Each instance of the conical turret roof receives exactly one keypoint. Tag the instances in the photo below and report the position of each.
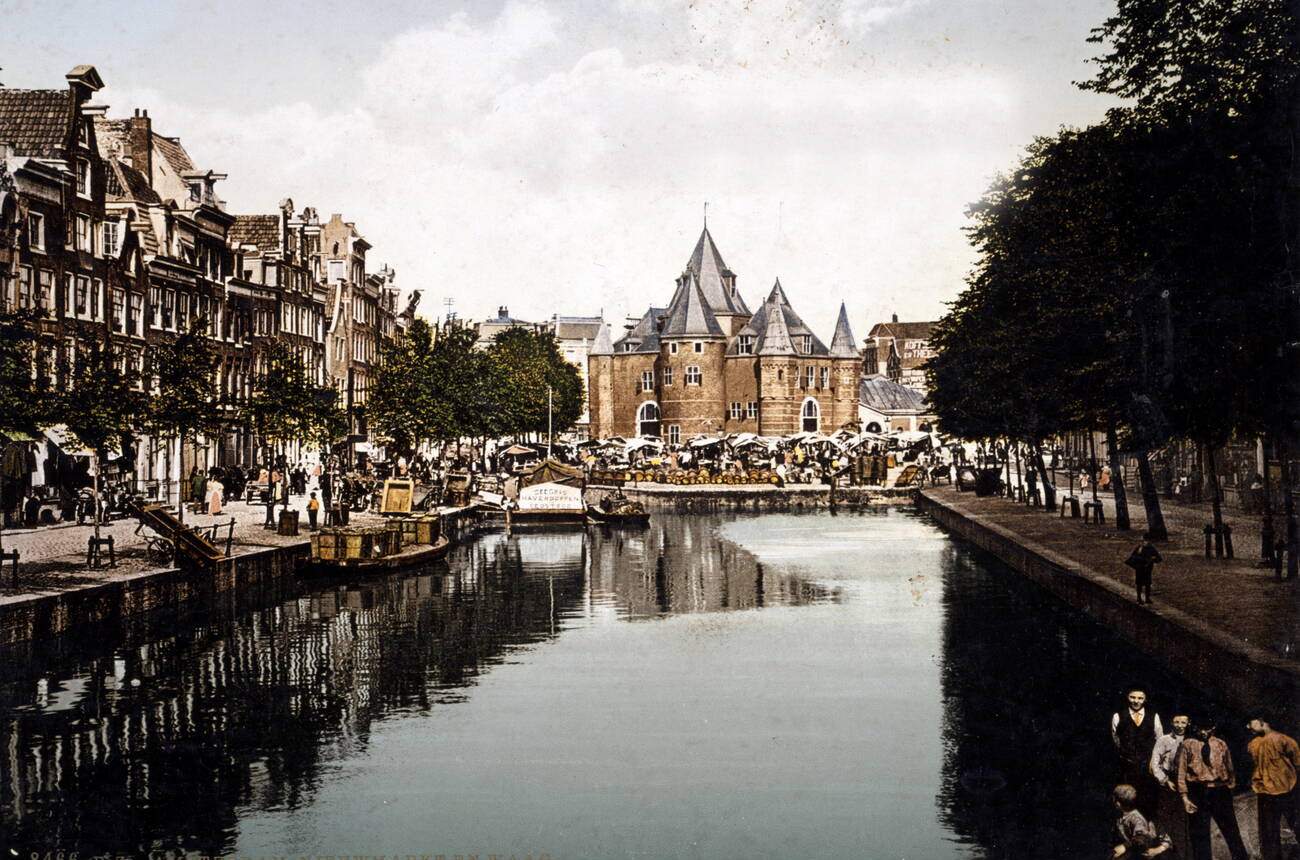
(716, 280)
(842, 343)
(603, 344)
(689, 314)
(776, 336)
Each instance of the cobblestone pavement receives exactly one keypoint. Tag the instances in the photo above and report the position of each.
(53, 558)
(1235, 595)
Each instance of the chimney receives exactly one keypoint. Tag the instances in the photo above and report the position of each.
(139, 144)
(895, 318)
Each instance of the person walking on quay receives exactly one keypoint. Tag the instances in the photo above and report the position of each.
(268, 499)
(1171, 817)
(313, 509)
(1277, 761)
(1134, 734)
(1205, 781)
(1143, 560)
(1139, 836)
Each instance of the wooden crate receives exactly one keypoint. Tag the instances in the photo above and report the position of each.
(428, 528)
(358, 544)
(409, 533)
(326, 545)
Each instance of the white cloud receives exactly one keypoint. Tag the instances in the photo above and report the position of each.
(538, 160)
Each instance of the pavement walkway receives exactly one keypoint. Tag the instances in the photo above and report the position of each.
(1234, 595)
(53, 558)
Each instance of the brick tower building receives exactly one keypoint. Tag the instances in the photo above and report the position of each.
(706, 364)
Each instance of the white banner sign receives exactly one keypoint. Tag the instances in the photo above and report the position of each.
(550, 497)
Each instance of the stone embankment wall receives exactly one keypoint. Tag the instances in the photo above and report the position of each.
(172, 593)
(1242, 675)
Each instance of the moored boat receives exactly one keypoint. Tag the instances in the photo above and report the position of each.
(616, 517)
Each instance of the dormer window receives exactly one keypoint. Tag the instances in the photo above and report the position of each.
(746, 345)
(196, 192)
(807, 343)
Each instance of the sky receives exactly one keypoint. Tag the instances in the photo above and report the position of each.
(556, 157)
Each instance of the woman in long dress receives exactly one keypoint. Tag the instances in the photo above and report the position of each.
(216, 492)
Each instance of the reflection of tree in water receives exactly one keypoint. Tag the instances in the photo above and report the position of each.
(1028, 689)
(680, 564)
(158, 745)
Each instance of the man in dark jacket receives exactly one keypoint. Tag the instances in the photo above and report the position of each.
(1134, 731)
(1143, 560)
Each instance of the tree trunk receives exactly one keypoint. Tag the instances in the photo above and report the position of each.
(1020, 473)
(1150, 499)
(1287, 497)
(95, 502)
(1117, 478)
(1216, 506)
(182, 493)
(1049, 489)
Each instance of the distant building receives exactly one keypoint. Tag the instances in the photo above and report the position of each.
(884, 405)
(575, 337)
(706, 364)
(488, 329)
(898, 351)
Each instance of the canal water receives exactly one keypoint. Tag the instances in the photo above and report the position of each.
(784, 685)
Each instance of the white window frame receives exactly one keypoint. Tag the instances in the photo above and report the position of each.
(82, 294)
(751, 410)
(647, 380)
(693, 370)
(668, 376)
(109, 248)
(825, 378)
(746, 345)
(804, 416)
(672, 348)
(674, 434)
(735, 410)
(810, 377)
(699, 347)
(96, 299)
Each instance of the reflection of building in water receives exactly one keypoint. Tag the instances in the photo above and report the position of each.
(683, 566)
(162, 741)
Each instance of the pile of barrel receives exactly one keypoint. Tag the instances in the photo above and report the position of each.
(347, 543)
(683, 477)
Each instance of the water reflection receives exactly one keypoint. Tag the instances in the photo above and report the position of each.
(679, 565)
(159, 746)
(793, 685)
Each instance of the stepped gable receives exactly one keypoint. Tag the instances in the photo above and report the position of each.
(842, 343)
(794, 327)
(717, 282)
(603, 345)
(689, 314)
(644, 336)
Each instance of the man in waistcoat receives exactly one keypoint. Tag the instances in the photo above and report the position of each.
(1134, 732)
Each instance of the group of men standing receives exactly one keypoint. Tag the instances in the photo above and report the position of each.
(1174, 783)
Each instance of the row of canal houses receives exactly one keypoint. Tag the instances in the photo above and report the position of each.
(110, 229)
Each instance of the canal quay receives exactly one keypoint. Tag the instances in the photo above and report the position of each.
(838, 683)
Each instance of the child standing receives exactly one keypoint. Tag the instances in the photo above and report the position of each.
(313, 508)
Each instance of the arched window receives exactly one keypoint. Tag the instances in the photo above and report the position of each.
(647, 419)
(812, 415)
(873, 427)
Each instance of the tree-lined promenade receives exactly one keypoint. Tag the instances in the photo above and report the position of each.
(1139, 277)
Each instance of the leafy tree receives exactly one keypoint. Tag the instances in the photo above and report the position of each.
(25, 397)
(185, 403)
(536, 384)
(403, 402)
(103, 404)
